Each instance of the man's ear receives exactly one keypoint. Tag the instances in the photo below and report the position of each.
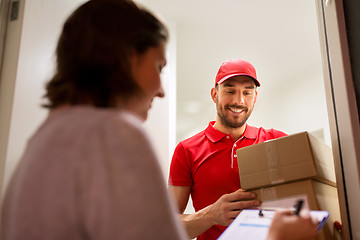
(214, 94)
(256, 93)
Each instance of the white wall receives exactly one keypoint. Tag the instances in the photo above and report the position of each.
(161, 124)
(43, 20)
(40, 28)
(299, 105)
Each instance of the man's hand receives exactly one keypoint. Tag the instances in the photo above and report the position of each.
(228, 206)
(222, 212)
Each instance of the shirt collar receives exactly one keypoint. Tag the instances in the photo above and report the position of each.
(250, 132)
(215, 135)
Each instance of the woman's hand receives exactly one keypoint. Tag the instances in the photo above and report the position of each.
(287, 226)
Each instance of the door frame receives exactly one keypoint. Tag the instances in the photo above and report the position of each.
(342, 111)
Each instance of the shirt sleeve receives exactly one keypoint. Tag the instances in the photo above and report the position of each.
(125, 195)
(276, 134)
(180, 167)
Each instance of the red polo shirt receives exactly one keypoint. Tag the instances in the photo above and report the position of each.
(208, 163)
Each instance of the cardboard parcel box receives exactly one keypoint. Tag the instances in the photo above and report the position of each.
(291, 158)
(316, 195)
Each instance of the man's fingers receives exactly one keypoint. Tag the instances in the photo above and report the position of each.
(244, 204)
(239, 195)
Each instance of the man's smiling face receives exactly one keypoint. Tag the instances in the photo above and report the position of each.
(235, 99)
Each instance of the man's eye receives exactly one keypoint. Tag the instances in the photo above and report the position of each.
(230, 92)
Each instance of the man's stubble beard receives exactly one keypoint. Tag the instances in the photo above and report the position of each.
(232, 124)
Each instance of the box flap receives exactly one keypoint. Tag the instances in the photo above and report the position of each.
(324, 160)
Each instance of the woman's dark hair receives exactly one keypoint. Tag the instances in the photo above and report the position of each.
(94, 49)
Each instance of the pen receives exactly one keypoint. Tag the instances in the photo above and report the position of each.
(261, 209)
(275, 208)
(296, 209)
(298, 206)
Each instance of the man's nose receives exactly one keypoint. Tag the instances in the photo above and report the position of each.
(240, 99)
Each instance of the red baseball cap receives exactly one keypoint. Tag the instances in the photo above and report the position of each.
(235, 67)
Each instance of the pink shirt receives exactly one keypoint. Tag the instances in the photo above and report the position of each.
(208, 163)
(89, 173)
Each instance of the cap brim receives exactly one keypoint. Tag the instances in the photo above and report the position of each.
(237, 74)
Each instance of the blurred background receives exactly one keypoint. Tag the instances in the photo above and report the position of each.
(280, 38)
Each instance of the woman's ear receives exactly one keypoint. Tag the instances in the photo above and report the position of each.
(214, 94)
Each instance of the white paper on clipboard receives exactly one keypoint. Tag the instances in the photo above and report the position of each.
(249, 226)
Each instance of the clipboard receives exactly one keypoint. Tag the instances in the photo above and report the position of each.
(250, 226)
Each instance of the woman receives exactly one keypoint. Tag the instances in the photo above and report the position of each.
(90, 172)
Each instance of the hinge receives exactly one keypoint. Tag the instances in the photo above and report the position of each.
(14, 10)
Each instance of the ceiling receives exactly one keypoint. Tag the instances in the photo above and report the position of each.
(279, 37)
